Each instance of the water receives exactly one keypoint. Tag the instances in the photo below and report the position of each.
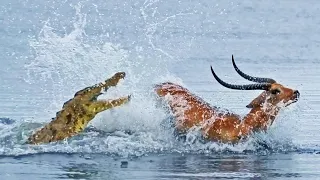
(51, 49)
(163, 166)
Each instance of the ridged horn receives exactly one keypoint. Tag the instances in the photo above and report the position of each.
(260, 86)
(251, 78)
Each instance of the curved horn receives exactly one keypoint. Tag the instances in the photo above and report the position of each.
(251, 78)
(261, 86)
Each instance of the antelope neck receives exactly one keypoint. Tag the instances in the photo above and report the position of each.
(258, 119)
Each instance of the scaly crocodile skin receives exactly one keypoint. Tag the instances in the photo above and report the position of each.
(78, 112)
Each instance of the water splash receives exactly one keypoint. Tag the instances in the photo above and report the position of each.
(63, 64)
(148, 11)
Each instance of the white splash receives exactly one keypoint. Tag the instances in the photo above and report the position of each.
(63, 64)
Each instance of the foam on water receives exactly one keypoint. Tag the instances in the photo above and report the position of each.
(64, 64)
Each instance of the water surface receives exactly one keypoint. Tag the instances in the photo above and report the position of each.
(51, 49)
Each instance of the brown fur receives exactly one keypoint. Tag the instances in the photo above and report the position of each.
(216, 125)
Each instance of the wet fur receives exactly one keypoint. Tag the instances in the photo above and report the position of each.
(190, 110)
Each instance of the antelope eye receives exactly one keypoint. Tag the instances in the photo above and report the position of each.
(275, 91)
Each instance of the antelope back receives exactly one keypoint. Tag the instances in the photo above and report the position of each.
(188, 109)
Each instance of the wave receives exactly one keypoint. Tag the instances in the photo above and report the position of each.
(62, 64)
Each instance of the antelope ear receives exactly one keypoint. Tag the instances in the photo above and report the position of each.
(257, 101)
(249, 106)
(254, 103)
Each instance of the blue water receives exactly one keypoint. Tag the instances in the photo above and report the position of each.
(51, 49)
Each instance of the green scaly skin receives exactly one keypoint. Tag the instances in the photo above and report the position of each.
(78, 112)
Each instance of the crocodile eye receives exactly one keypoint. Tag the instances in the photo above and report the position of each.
(275, 91)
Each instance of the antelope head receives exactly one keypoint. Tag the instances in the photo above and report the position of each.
(274, 95)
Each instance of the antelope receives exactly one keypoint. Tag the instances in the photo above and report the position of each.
(224, 126)
(77, 112)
